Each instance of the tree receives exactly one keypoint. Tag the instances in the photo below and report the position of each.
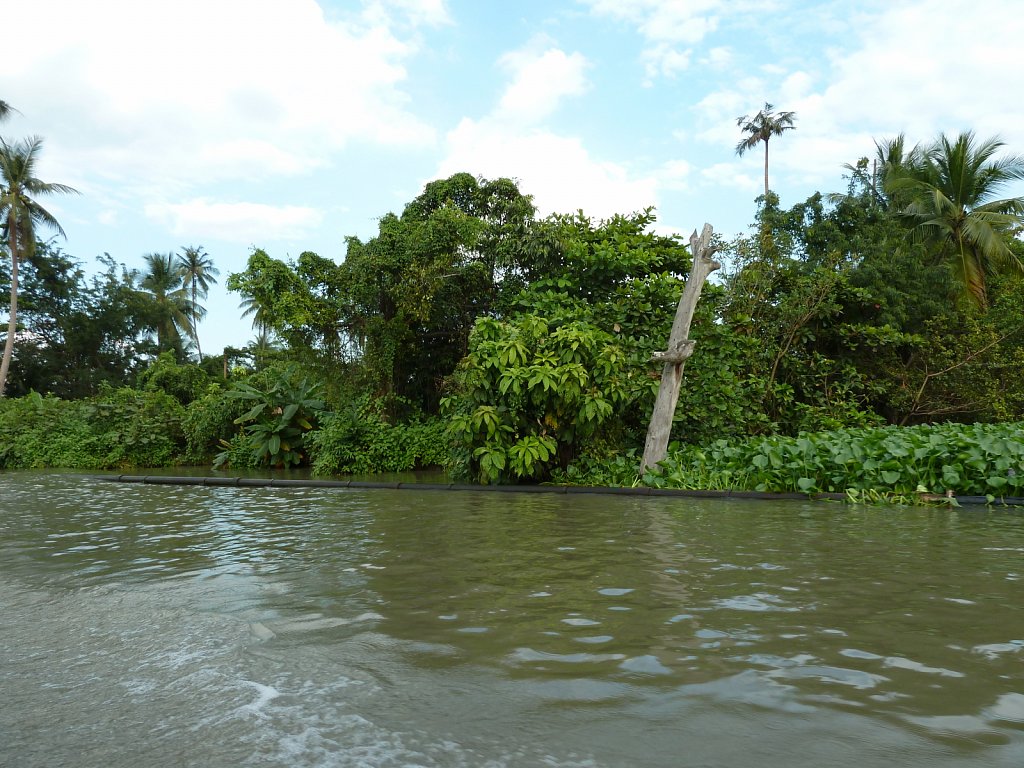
(74, 333)
(298, 301)
(762, 127)
(20, 213)
(567, 374)
(253, 308)
(171, 310)
(415, 290)
(198, 274)
(951, 187)
(401, 304)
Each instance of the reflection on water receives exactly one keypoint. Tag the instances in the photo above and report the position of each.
(162, 625)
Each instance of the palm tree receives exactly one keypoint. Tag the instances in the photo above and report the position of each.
(950, 189)
(5, 109)
(20, 213)
(263, 345)
(762, 127)
(253, 308)
(197, 274)
(171, 309)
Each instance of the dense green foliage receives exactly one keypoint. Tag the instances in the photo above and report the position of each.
(20, 214)
(78, 331)
(566, 374)
(358, 440)
(515, 349)
(119, 428)
(280, 417)
(403, 302)
(979, 459)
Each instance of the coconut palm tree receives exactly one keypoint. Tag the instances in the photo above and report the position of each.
(252, 307)
(197, 274)
(20, 213)
(762, 127)
(951, 190)
(171, 309)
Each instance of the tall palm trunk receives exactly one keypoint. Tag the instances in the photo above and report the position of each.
(195, 322)
(766, 167)
(12, 323)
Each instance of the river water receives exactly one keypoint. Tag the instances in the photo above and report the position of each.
(151, 626)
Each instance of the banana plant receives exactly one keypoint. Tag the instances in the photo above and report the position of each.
(279, 421)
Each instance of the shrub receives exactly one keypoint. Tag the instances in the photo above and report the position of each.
(209, 422)
(117, 429)
(184, 383)
(358, 440)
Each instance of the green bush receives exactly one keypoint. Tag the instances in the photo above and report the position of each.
(358, 440)
(117, 429)
(209, 422)
(184, 383)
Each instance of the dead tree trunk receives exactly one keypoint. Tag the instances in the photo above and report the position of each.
(680, 347)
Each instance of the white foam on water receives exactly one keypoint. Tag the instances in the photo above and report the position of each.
(310, 728)
(264, 695)
(1009, 707)
(899, 662)
(994, 650)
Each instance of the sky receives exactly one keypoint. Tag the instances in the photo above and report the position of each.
(289, 125)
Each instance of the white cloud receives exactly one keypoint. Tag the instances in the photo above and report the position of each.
(426, 12)
(244, 223)
(672, 29)
(540, 80)
(557, 170)
(899, 79)
(896, 81)
(686, 21)
(719, 58)
(169, 93)
(674, 175)
(730, 175)
(888, 80)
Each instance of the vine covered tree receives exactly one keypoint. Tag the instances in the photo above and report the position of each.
(20, 213)
(198, 274)
(761, 128)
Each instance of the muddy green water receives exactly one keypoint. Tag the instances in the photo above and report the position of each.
(181, 626)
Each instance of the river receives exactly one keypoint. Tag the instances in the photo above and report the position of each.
(151, 626)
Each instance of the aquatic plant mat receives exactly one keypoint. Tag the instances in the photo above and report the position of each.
(263, 482)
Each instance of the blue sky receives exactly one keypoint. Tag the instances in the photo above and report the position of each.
(291, 124)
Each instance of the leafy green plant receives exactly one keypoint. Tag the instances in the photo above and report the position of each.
(208, 421)
(119, 428)
(568, 375)
(933, 460)
(278, 421)
(184, 383)
(358, 439)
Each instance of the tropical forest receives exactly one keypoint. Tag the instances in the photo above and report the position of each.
(867, 341)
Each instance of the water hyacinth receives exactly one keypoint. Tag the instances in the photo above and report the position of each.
(959, 459)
